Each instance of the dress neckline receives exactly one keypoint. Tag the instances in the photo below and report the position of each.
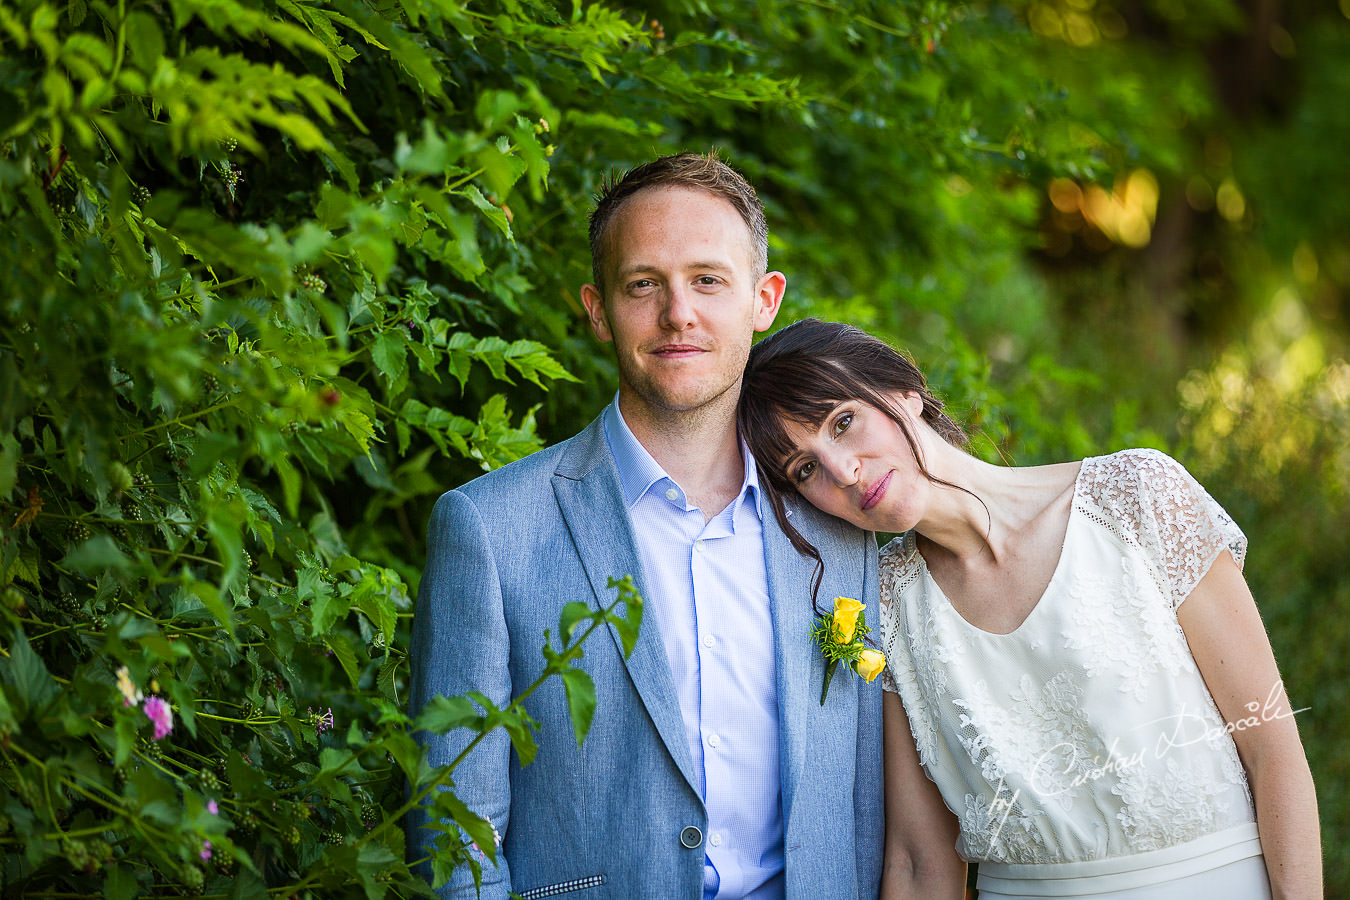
(1055, 575)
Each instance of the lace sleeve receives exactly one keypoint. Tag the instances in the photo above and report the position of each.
(1152, 501)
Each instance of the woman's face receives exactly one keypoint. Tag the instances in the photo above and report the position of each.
(858, 466)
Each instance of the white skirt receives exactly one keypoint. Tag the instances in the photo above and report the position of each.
(1227, 864)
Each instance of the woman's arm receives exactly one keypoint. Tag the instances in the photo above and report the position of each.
(1233, 652)
(920, 858)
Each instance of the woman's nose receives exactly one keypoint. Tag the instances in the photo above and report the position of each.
(843, 470)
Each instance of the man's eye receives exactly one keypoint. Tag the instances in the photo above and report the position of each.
(706, 280)
(841, 424)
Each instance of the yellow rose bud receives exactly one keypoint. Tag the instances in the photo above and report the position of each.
(846, 611)
(870, 664)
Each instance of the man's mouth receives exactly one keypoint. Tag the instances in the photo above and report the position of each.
(677, 351)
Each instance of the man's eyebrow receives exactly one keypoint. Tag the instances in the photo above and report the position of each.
(724, 265)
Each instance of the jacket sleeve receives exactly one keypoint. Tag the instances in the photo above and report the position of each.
(460, 643)
(868, 791)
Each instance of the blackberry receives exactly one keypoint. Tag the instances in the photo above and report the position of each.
(78, 855)
(141, 194)
(192, 879)
(224, 864)
(247, 822)
(211, 384)
(77, 532)
(291, 835)
(334, 837)
(312, 282)
(209, 781)
(68, 603)
(230, 145)
(370, 816)
(141, 480)
(13, 599)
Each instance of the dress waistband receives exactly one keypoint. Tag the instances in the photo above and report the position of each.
(1120, 873)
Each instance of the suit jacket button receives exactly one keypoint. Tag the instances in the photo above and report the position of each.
(691, 837)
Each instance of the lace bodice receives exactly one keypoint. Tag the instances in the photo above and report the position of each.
(1087, 732)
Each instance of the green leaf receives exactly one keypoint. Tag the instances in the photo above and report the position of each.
(98, 555)
(441, 715)
(119, 883)
(9, 464)
(145, 39)
(580, 702)
(573, 614)
(345, 655)
(211, 599)
(390, 353)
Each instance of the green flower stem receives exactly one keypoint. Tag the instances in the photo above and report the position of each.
(553, 668)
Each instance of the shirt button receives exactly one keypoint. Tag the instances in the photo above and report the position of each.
(709, 640)
(715, 840)
(713, 740)
(672, 495)
(698, 544)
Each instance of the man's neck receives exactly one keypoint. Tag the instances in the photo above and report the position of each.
(698, 448)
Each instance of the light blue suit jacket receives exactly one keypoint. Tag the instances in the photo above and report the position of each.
(506, 552)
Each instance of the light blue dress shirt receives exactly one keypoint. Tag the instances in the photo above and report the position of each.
(708, 591)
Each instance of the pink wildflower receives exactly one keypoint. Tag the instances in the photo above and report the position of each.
(212, 808)
(206, 850)
(323, 722)
(159, 712)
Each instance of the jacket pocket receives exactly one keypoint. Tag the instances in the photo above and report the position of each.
(563, 887)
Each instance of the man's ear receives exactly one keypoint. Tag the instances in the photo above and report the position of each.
(595, 311)
(768, 298)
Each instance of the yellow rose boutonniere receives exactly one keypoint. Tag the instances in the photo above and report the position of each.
(846, 612)
(870, 663)
(840, 637)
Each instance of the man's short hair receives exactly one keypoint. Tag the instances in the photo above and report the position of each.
(687, 170)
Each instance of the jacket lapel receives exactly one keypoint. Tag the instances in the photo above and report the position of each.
(586, 485)
(800, 665)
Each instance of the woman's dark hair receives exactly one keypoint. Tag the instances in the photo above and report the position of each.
(799, 375)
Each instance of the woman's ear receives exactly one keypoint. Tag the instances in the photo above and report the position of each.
(910, 402)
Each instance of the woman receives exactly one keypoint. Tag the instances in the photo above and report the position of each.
(1074, 659)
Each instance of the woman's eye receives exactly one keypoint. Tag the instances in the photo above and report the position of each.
(804, 471)
(841, 424)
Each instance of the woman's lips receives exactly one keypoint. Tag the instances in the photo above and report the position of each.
(876, 492)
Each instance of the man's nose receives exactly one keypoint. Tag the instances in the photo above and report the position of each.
(677, 313)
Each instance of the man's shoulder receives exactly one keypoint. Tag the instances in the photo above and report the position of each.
(534, 473)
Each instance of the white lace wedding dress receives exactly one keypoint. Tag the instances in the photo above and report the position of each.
(1082, 752)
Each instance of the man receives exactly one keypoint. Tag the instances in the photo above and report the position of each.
(711, 768)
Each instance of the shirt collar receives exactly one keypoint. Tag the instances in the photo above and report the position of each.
(639, 471)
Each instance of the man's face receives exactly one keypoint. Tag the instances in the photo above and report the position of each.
(682, 301)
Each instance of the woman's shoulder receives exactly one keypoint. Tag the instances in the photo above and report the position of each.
(901, 563)
(1122, 480)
